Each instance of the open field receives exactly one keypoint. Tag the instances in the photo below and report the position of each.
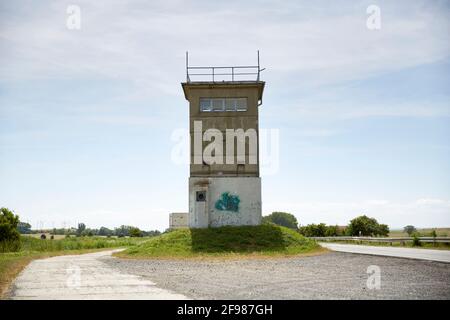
(440, 232)
(15, 256)
(263, 240)
(47, 234)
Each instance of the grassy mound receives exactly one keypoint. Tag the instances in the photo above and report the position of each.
(257, 240)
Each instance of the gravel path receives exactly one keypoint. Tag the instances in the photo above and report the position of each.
(333, 275)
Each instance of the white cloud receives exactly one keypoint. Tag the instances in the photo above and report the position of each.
(145, 42)
(142, 43)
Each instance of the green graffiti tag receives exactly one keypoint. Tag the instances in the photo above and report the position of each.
(228, 202)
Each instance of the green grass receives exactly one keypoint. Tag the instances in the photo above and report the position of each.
(72, 243)
(14, 256)
(424, 232)
(224, 242)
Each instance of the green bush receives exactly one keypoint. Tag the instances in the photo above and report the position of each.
(382, 230)
(8, 226)
(365, 226)
(135, 232)
(283, 219)
(416, 241)
(332, 231)
(314, 230)
(409, 229)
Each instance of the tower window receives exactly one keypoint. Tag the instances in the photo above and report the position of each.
(241, 104)
(205, 105)
(223, 104)
(218, 104)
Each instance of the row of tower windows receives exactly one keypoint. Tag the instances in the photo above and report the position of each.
(223, 104)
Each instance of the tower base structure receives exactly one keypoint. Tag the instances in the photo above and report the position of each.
(224, 201)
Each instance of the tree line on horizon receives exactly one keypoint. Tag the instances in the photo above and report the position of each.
(359, 226)
(11, 227)
(83, 231)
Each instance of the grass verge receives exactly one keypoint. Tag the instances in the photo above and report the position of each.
(225, 242)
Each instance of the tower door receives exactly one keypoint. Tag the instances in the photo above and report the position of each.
(201, 207)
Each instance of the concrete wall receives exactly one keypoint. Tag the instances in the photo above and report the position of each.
(229, 201)
(178, 220)
(224, 120)
(233, 191)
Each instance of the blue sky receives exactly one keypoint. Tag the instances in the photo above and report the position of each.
(87, 115)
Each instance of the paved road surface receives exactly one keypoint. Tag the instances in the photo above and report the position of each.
(422, 254)
(83, 277)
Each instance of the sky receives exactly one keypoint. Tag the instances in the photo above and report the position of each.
(88, 115)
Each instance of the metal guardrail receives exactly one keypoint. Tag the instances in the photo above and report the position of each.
(387, 240)
(234, 73)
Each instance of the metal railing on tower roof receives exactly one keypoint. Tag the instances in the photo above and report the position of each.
(223, 74)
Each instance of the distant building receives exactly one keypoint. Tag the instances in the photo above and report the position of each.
(226, 192)
(178, 220)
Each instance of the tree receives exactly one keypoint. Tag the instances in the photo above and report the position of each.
(314, 230)
(365, 226)
(8, 225)
(383, 230)
(81, 229)
(105, 232)
(332, 231)
(135, 232)
(24, 228)
(151, 233)
(122, 231)
(409, 229)
(282, 219)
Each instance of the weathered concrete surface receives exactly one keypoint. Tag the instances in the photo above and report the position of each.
(204, 214)
(178, 220)
(83, 277)
(412, 253)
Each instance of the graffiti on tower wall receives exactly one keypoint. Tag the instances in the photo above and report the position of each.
(228, 202)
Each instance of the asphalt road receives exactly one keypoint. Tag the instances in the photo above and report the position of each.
(412, 253)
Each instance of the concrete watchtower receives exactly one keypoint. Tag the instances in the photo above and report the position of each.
(224, 182)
